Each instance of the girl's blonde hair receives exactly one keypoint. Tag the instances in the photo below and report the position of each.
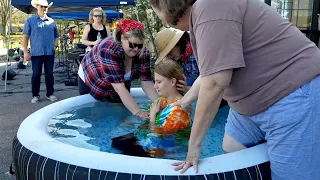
(170, 69)
(104, 16)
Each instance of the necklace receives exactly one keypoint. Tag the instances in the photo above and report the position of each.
(174, 99)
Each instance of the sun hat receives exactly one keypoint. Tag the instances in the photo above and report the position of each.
(165, 41)
(35, 3)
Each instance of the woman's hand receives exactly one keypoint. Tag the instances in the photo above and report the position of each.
(191, 160)
(96, 42)
(143, 115)
(155, 108)
(182, 86)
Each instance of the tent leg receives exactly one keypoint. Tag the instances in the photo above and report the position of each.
(78, 31)
(118, 9)
(8, 47)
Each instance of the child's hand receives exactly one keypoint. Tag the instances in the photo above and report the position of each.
(155, 108)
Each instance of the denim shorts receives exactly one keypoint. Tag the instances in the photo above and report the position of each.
(291, 128)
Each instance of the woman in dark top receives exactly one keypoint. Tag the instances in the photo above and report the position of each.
(96, 30)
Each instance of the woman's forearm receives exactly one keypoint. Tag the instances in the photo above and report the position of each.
(207, 106)
(84, 38)
(127, 99)
(210, 96)
(88, 43)
(148, 88)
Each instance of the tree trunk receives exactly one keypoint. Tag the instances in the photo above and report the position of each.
(3, 26)
(5, 40)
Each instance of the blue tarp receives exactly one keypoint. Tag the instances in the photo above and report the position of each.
(72, 5)
(111, 14)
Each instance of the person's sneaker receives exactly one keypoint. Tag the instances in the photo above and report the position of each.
(52, 98)
(35, 99)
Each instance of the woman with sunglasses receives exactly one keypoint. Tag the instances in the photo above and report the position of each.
(96, 30)
(107, 70)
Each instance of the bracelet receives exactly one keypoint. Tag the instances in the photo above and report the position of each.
(138, 113)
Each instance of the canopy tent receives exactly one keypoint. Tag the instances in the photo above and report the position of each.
(111, 14)
(64, 6)
(72, 5)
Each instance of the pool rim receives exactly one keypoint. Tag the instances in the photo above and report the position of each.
(33, 135)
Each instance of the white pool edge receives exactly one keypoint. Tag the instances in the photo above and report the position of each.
(33, 135)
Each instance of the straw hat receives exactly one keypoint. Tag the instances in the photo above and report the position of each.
(165, 41)
(35, 3)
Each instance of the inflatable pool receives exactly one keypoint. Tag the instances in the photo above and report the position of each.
(38, 155)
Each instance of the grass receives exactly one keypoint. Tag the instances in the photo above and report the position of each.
(12, 36)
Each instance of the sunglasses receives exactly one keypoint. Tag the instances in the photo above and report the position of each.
(43, 6)
(97, 16)
(134, 45)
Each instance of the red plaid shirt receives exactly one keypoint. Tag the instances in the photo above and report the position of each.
(104, 65)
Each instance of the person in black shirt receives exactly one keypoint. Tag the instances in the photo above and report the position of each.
(95, 31)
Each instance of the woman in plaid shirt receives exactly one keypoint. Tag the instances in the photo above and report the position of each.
(107, 70)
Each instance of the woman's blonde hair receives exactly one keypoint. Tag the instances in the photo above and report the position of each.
(170, 69)
(136, 33)
(104, 16)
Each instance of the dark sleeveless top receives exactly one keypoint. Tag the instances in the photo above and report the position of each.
(92, 35)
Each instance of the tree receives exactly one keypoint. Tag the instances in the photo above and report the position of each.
(18, 17)
(4, 14)
(147, 16)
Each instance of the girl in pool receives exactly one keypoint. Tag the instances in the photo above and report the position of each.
(169, 127)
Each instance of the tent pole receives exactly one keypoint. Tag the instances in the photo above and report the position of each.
(78, 23)
(118, 9)
(8, 47)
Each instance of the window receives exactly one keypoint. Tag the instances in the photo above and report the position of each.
(299, 12)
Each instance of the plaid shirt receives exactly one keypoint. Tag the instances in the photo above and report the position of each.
(104, 65)
(190, 69)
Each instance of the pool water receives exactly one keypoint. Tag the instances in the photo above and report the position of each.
(93, 125)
